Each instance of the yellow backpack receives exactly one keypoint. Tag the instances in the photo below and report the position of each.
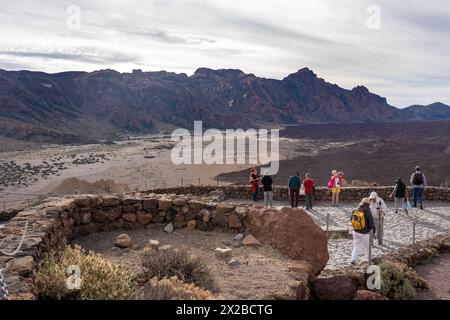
(358, 220)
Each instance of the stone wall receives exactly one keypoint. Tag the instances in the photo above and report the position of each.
(352, 194)
(53, 223)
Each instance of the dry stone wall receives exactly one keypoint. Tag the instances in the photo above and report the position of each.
(280, 193)
(54, 222)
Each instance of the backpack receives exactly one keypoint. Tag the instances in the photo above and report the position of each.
(418, 178)
(358, 220)
(331, 183)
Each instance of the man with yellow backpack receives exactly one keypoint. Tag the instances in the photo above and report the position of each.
(363, 227)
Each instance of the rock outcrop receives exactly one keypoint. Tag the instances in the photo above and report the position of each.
(291, 231)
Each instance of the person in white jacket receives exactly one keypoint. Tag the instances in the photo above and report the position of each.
(378, 208)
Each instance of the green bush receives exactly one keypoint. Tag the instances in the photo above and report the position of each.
(395, 282)
(177, 262)
(100, 278)
(173, 289)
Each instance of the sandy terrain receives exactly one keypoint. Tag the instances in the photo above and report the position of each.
(437, 275)
(255, 273)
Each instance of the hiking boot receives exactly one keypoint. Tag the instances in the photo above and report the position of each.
(421, 207)
(396, 211)
(406, 211)
(353, 263)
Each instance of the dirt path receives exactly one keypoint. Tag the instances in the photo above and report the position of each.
(437, 275)
(255, 274)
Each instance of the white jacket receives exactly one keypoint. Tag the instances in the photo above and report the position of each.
(378, 207)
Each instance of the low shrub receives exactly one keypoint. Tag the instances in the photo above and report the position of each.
(100, 279)
(173, 289)
(177, 262)
(395, 281)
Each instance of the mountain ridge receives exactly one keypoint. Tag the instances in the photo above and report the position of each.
(79, 106)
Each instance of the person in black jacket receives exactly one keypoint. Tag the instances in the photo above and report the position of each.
(400, 195)
(268, 192)
(363, 237)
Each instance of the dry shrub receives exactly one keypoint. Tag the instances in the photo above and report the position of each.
(397, 281)
(100, 279)
(173, 289)
(177, 262)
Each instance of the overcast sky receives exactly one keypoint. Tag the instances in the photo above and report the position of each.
(406, 59)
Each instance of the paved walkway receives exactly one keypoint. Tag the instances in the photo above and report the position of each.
(398, 228)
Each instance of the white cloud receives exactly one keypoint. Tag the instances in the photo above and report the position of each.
(405, 61)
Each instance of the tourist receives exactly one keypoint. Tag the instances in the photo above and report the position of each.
(418, 183)
(294, 189)
(254, 183)
(342, 180)
(378, 209)
(363, 226)
(335, 185)
(309, 191)
(400, 196)
(267, 187)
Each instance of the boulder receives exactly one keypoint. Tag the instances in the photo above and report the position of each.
(291, 231)
(334, 288)
(168, 228)
(250, 240)
(368, 295)
(123, 241)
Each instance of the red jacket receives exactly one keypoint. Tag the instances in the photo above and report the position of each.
(308, 183)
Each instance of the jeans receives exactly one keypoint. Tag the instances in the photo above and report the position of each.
(418, 196)
(254, 194)
(268, 198)
(293, 196)
(309, 200)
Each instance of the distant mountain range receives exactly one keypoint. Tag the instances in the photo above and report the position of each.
(81, 107)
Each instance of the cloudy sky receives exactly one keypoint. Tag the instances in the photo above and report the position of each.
(398, 49)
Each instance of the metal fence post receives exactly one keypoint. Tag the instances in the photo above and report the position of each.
(182, 183)
(328, 222)
(370, 246)
(414, 233)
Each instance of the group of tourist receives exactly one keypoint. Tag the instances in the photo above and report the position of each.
(367, 220)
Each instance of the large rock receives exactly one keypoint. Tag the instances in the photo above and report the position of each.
(292, 231)
(123, 241)
(368, 295)
(334, 288)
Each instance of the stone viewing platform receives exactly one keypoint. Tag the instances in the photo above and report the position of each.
(54, 222)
